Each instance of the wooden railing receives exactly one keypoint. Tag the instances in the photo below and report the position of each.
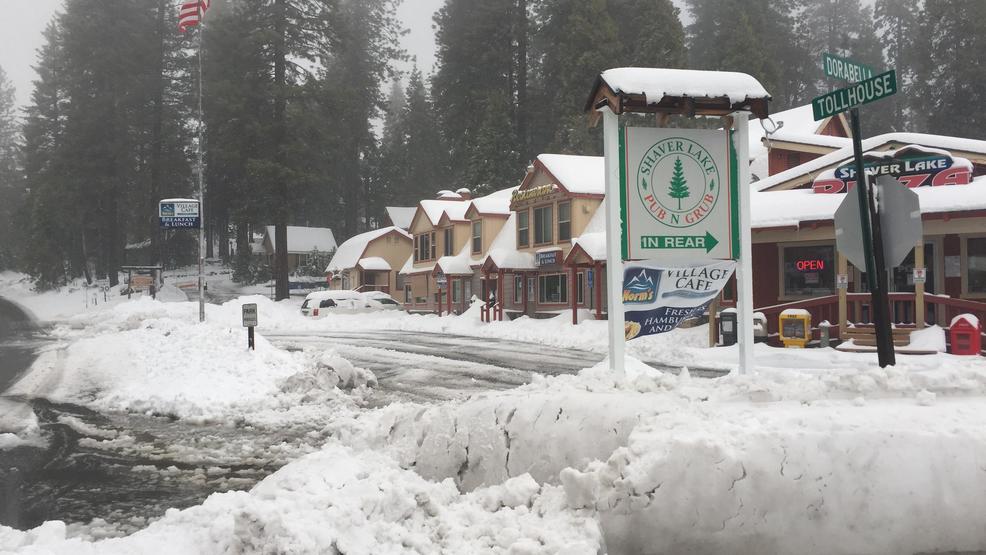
(939, 309)
(367, 287)
(486, 312)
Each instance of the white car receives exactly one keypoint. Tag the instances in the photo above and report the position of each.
(321, 303)
(377, 300)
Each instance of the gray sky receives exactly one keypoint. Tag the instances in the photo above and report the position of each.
(20, 41)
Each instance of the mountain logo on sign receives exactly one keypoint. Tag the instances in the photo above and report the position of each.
(167, 210)
(641, 288)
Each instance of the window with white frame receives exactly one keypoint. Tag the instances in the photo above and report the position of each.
(449, 234)
(523, 228)
(518, 289)
(477, 237)
(564, 221)
(553, 289)
(543, 225)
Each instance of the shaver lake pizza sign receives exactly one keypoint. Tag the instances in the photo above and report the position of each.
(679, 195)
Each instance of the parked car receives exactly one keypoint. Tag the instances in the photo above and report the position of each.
(321, 303)
(377, 300)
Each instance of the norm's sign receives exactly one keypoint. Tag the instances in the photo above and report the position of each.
(678, 194)
(179, 213)
(657, 298)
(863, 92)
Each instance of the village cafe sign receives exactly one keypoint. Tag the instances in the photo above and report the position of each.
(911, 166)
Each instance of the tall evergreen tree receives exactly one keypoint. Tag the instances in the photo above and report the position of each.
(11, 183)
(575, 41)
(956, 32)
(481, 70)
(899, 27)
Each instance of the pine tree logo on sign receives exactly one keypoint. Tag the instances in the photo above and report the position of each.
(678, 181)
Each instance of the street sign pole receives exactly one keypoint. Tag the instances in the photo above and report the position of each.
(744, 278)
(614, 249)
(876, 272)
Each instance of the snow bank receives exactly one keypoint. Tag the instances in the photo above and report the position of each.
(339, 501)
(889, 477)
(153, 357)
(18, 425)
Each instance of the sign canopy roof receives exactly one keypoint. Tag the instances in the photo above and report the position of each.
(677, 91)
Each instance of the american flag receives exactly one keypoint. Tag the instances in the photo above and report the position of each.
(191, 13)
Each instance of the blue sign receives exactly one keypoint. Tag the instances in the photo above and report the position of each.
(179, 214)
(549, 258)
(181, 223)
(658, 298)
(588, 278)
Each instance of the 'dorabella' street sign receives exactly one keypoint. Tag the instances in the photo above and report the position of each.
(845, 69)
(866, 91)
(679, 198)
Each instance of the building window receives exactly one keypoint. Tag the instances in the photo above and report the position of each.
(809, 271)
(580, 283)
(543, 225)
(477, 237)
(523, 229)
(448, 241)
(424, 246)
(456, 290)
(564, 221)
(553, 289)
(518, 289)
(407, 293)
(976, 265)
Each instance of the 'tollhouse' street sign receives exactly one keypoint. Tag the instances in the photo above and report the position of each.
(179, 213)
(845, 69)
(678, 195)
(863, 92)
(900, 214)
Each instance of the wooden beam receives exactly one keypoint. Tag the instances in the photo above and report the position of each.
(842, 265)
(919, 287)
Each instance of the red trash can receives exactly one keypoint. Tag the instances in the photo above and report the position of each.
(965, 332)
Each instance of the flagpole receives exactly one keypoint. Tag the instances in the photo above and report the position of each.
(201, 185)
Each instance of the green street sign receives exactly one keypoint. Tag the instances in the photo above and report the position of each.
(708, 242)
(845, 69)
(864, 92)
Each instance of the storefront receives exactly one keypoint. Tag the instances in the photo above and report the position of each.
(553, 207)
(794, 249)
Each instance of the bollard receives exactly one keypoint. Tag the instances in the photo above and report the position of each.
(824, 333)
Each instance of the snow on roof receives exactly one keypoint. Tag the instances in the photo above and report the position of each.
(306, 239)
(656, 83)
(798, 120)
(593, 238)
(456, 209)
(401, 216)
(577, 174)
(495, 203)
(790, 208)
(408, 265)
(845, 153)
(449, 195)
(374, 263)
(830, 141)
(350, 251)
(503, 250)
(456, 265)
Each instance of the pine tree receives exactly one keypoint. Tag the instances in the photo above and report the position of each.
(898, 22)
(957, 71)
(678, 188)
(11, 184)
(480, 62)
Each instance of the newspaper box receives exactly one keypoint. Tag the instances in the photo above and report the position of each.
(795, 327)
(965, 332)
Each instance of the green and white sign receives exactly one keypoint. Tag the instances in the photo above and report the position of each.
(679, 196)
(845, 69)
(863, 92)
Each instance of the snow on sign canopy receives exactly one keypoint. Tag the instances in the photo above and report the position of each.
(659, 84)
